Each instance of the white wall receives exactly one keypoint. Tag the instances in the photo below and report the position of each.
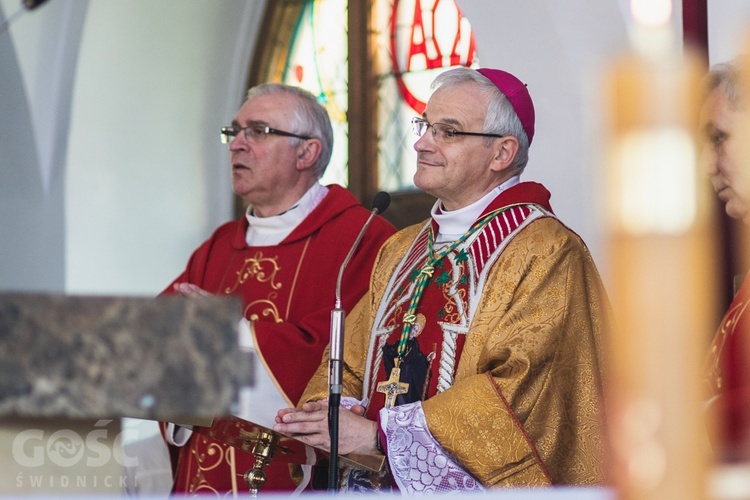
(147, 178)
(33, 116)
(558, 49)
(111, 171)
(728, 28)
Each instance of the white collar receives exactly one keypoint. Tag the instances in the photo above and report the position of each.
(454, 223)
(264, 231)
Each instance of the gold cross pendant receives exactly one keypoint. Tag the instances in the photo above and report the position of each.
(393, 387)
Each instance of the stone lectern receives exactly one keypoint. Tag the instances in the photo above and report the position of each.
(71, 366)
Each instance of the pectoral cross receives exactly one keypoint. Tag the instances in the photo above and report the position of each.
(393, 387)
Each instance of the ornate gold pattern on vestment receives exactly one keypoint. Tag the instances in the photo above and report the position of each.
(263, 269)
(529, 365)
(300, 262)
(727, 328)
(255, 271)
(213, 456)
(269, 311)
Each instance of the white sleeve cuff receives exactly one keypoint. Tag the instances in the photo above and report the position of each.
(178, 435)
(418, 463)
(245, 335)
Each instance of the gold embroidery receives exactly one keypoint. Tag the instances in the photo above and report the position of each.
(499, 361)
(263, 269)
(726, 329)
(296, 275)
(206, 461)
(268, 308)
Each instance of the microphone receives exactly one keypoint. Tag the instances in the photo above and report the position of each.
(336, 350)
(379, 204)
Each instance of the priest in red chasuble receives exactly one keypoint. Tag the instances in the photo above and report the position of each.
(728, 368)
(475, 359)
(281, 259)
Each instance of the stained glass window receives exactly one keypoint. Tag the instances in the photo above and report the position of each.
(415, 40)
(317, 61)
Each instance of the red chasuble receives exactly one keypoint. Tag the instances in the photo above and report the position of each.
(288, 292)
(729, 380)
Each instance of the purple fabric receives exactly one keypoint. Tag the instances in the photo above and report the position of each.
(417, 461)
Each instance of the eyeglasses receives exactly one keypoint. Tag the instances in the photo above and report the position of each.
(255, 132)
(442, 131)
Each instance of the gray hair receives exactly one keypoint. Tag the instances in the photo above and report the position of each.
(310, 118)
(500, 117)
(728, 76)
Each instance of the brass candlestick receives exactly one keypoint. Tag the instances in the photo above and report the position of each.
(263, 451)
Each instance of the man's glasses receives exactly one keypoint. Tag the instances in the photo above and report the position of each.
(255, 132)
(442, 131)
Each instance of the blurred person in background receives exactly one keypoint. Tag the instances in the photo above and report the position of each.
(728, 367)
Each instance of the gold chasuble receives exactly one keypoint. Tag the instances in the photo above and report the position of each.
(501, 354)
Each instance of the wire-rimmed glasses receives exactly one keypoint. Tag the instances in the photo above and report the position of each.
(255, 132)
(442, 131)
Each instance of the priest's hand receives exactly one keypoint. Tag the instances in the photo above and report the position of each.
(309, 424)
(190, 290)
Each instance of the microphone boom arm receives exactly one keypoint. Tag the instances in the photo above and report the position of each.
(336, 350)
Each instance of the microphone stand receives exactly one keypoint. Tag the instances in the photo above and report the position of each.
(336, 350)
